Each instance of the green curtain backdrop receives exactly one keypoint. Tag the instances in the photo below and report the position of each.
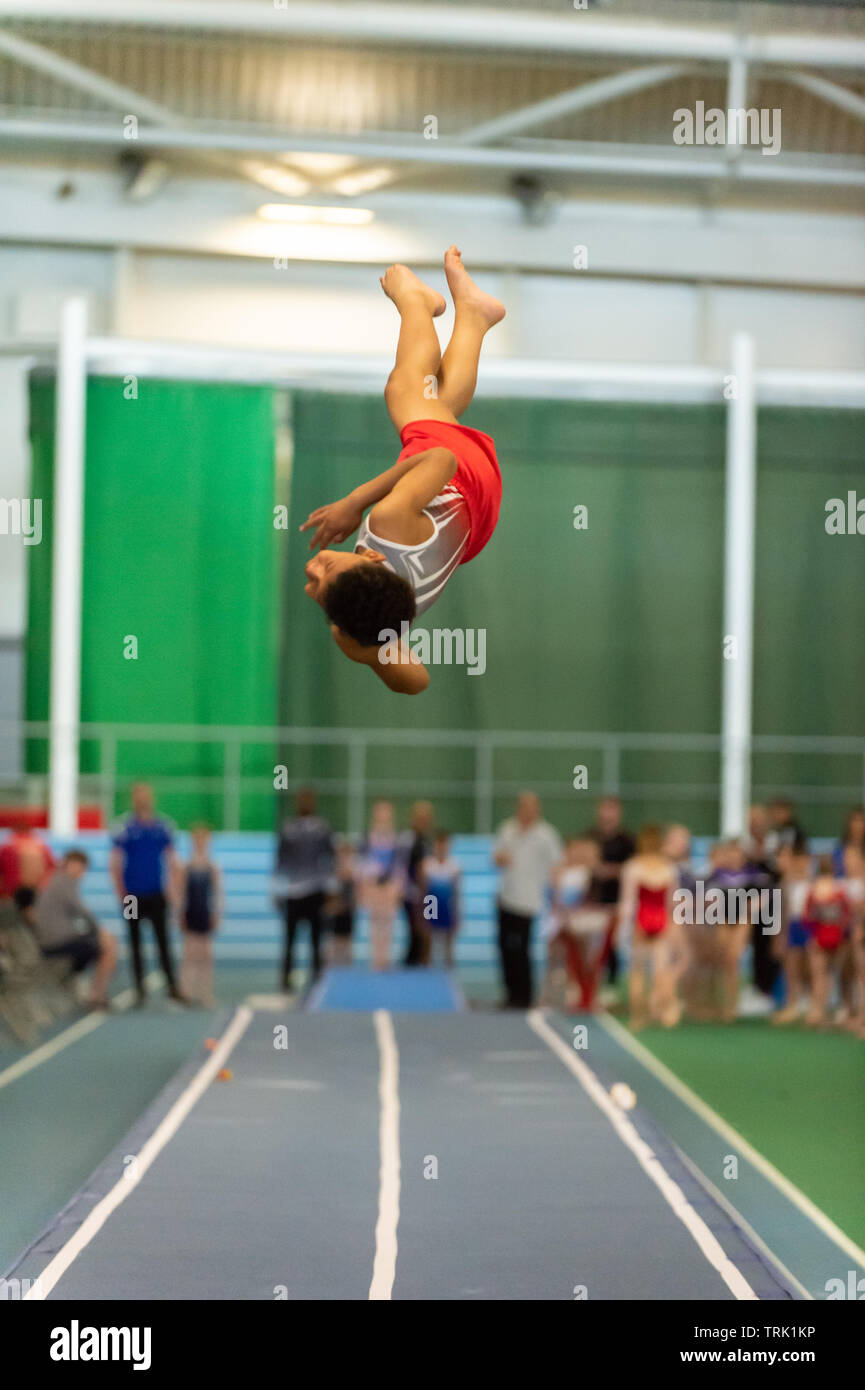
(619, 626)
(180, 553)
(615, 627)
(809, 639)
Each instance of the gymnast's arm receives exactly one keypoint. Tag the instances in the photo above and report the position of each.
(405, 675)
(339, 520)
(407, 500)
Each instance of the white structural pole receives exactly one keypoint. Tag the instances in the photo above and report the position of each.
(738, 635)
(68, 523)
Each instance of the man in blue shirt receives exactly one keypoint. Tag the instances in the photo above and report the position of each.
(141, 855)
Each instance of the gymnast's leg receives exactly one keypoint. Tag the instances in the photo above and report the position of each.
(411, 392)
(475, 313)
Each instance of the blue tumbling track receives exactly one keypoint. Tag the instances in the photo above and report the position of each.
(400, 991)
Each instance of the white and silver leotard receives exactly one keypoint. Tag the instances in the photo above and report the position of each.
(429, 565)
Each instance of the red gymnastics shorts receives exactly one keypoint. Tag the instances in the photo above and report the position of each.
(477, 477)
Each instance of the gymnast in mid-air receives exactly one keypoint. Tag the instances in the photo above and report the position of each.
(435, 509)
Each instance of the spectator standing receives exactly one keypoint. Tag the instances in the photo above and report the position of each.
(304, 869)
(382, 877)
(201, 905)
(340, 906)
(440, 878)
(143, 866)
(852, 838)
(616, 845)
(67, 930)
(795, 870)
(784, 828)
(417, 847)
(646, 907)
(828, 916)
(762, 856)
(526, 850)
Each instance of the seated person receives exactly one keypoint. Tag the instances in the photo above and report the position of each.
(65, 929)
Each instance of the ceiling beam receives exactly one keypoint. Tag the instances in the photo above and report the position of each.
(641, 161)
(452, 26)
(132, 103)
(582, 98)
(829, 91)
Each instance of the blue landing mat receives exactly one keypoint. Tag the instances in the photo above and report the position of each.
(421, 991)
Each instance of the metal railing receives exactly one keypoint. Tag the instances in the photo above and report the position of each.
(486, 781)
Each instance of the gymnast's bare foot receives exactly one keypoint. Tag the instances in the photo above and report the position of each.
(399, 284)
(465, 292)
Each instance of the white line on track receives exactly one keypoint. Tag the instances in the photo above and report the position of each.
(651, 1165)
(756, 1240)
(384, 1265)
(754, 1157)
(77, 1030)
(164, 1131)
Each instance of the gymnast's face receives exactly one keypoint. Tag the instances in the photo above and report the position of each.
(324, 567)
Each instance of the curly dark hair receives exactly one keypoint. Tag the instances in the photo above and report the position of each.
(368, 598)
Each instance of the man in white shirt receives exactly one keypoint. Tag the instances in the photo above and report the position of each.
(526, 850)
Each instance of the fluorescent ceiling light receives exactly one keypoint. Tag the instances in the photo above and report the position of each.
(277, 179)
(364, 181)
(321, 165)
(303, 212)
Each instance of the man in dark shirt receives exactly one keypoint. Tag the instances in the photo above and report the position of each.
(784, 828)
(416, 845)
(616, 846)
(304, 868)
(142, 854)
(767, 833)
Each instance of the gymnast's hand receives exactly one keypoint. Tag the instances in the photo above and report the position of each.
(335, 522)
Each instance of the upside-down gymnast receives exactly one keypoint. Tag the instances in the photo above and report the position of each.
(435, 509)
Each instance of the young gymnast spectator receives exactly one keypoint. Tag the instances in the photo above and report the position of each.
(200, 893)
(415, 846)
(340, 907)
(440, 878)
(142, 859)
(435, 509)
(304, 866)
(732, 875)
(526, 850)
(852, 838)
(699, 985)
(677, 848)
(616, 845)
(67, 930)
(856, 879)
(382, 882)
(579, 948)
(645, 905)
(795, 870)
(850, 1009)
(828, 917)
